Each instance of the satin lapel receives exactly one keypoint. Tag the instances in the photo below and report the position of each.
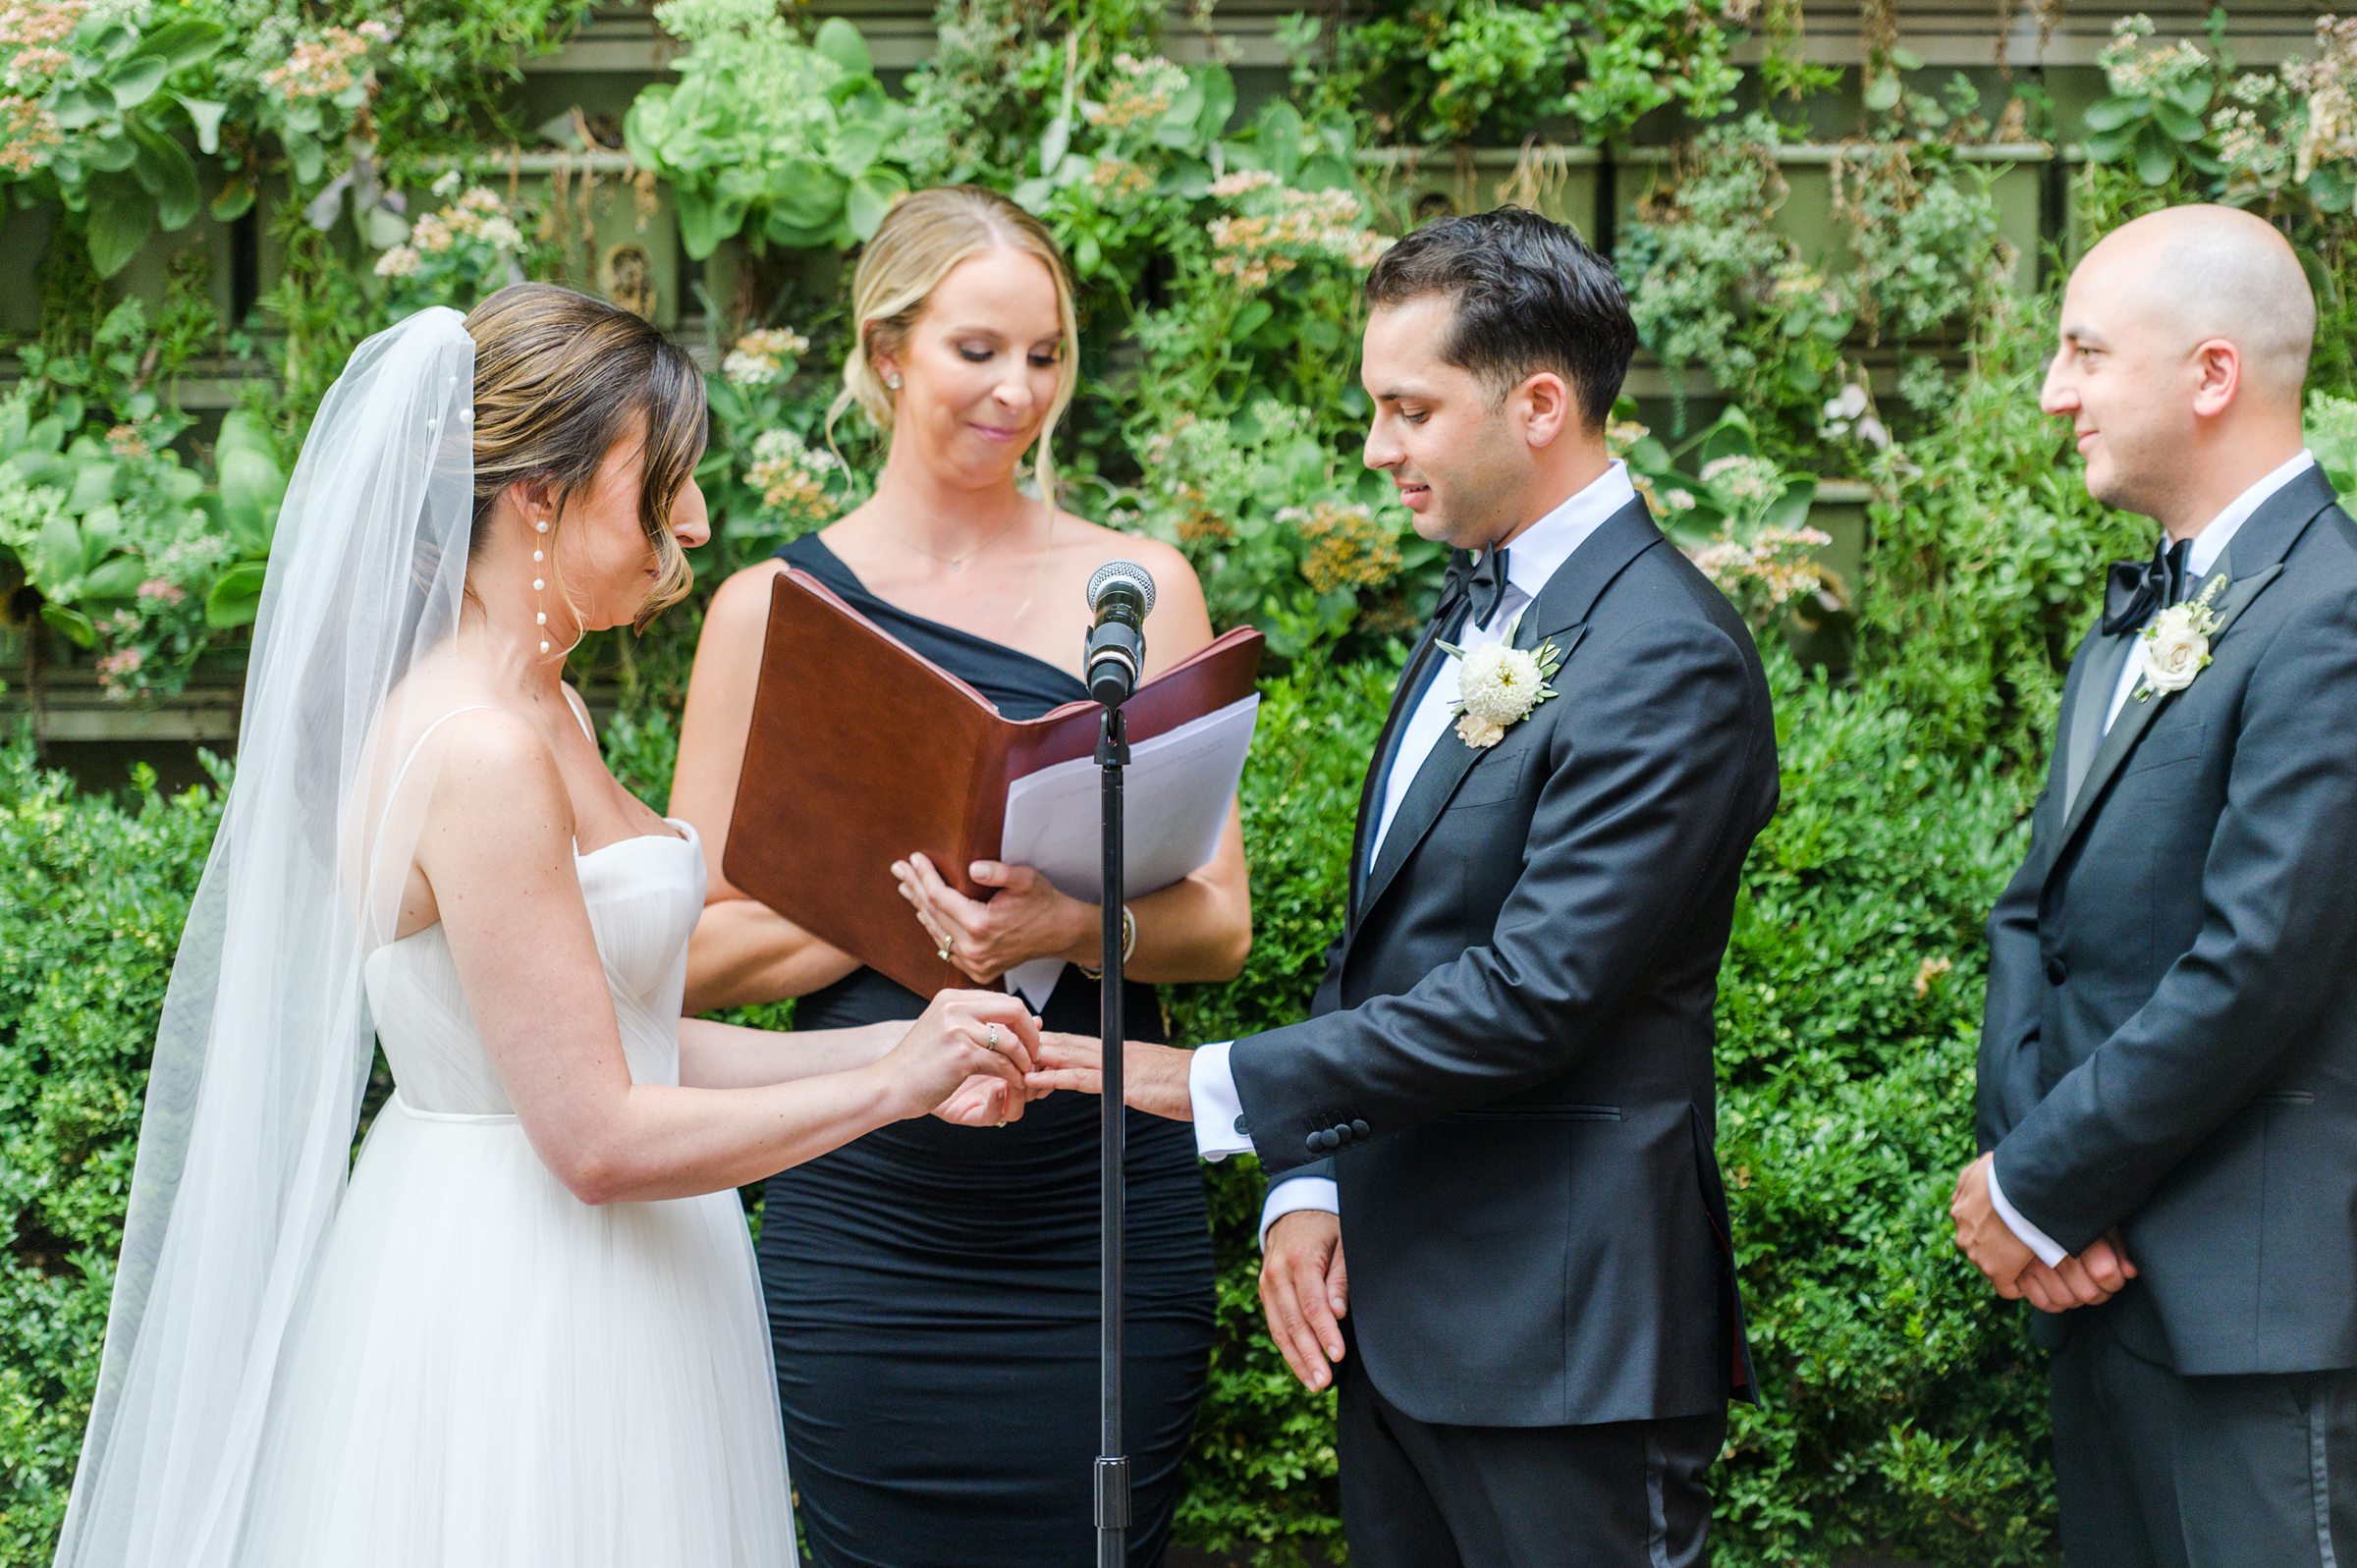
(2135, 718)
(1443, 770)
(1403, 703)
(1560, 612)
(2099, 678)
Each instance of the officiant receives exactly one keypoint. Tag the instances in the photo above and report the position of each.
(932, 1289)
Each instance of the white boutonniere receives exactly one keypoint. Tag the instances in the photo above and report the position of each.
(1498, 684)
(2175, 647)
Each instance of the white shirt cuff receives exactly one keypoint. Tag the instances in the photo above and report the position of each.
(1219, 1108)
(1321, 1193)
(2038, 1241)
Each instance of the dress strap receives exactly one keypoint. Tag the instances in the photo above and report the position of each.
(399, 774)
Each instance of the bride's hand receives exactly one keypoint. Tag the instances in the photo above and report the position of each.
(962, 1035)
(1026, 917)
(983, 1101)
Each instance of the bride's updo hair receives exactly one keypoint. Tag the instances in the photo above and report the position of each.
(919, 241)
(559, 377)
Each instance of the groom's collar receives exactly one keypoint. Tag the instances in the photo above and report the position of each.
(1535, 555)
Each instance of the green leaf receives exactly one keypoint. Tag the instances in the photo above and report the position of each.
(79, 106)
(2155, 156)
(135, 80)
(233, 202)
(2113, 113)
(234, 595)
(71, 625)
(871, 197)
(54, 557)
(841, 42)
(1906, 58)
(2178, 123)
(2110, 146)
(183, 41)
(119, 578)
(205, 115)
(111, 151)
(706, 220)
(122, 216)
(167, 173)
(252, 486)
(2191, 95)
(856, 149)
(1882, 93)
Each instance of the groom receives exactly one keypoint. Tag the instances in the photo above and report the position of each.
(1506, 1083)
(2168, 1061)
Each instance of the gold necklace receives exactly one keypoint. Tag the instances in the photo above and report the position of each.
(957, 563)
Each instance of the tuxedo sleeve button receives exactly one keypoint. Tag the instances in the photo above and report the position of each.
(1359, 1129)
(2056, 972)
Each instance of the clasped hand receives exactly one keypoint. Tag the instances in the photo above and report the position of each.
(1027, 917)
(2089, 1280)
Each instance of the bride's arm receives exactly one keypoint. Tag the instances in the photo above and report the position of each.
(497, 849)
(742, 950)
(727, 1056)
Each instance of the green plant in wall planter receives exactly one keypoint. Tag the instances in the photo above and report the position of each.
(2155, 115)
(93, 114)
(1122, 160)
(114, 535)
(786, 141)
(243, 506)
(1286, 532)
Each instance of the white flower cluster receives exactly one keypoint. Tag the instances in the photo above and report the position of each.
(794, 477)
(1849, 413)
(477, 216)
(2135, 70)
(760, 359)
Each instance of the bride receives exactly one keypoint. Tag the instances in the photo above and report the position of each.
(527, 1328)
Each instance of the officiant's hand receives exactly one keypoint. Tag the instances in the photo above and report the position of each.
(1153, 1077)
(1025, 918)
(1305, 1290)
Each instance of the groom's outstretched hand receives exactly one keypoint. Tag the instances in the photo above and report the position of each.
(1307, 1291)
(1153, 1077)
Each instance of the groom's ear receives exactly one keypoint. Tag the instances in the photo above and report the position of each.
(1545, 408)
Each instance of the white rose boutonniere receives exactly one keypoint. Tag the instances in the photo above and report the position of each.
(1498, 685)
(2175, 647)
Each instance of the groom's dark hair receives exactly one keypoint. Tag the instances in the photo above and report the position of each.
(1530, 296)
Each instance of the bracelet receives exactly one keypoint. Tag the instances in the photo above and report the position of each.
(1128, 944)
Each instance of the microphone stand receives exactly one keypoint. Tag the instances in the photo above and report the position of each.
(1112, 1463)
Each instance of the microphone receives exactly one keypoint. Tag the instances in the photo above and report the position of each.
(1120, 594)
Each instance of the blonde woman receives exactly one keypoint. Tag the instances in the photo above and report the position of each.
(527, 1328)
(932, 1295)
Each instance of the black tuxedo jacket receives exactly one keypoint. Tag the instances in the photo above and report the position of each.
(2170, 1040)
(1508, 1063)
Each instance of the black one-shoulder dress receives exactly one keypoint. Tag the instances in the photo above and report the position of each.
(932, 1290)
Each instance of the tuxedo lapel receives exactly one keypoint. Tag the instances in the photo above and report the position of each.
(2135, 717)
(2258, 552)
(2083, 734)
(1413, 679)
(1559, 613)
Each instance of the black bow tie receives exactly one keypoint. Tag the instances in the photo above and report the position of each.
(2133, 590)
(1481, 575)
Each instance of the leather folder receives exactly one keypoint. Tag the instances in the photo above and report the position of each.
(861, 751)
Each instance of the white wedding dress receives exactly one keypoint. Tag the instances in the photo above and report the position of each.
(489, 1373)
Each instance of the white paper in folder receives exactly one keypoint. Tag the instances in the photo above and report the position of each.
(1174, 799)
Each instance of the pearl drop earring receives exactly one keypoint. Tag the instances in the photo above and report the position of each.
(540, 583)
(892, 381)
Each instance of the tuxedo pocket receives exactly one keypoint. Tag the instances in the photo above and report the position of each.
(1492, 779)
(1529, 1111)
(2160, 747)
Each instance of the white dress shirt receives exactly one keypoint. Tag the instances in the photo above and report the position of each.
(2209, 546)
(1532, 558)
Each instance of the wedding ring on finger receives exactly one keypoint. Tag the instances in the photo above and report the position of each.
(992, 1039)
